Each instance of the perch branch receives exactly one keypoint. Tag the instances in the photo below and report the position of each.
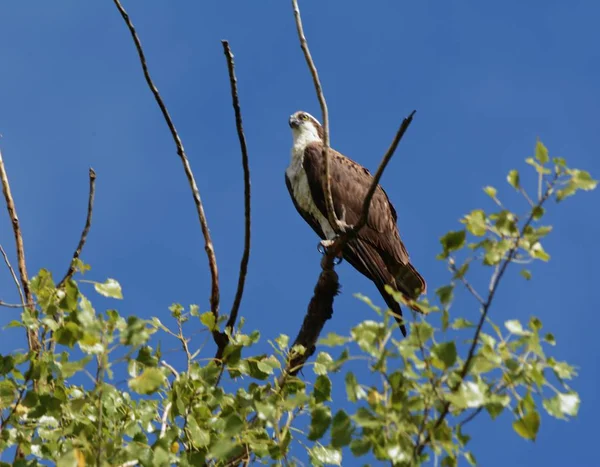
(12, 273)
(331, 215)
(240, 131)
(32, 335)
(208, 244)
(86, 229)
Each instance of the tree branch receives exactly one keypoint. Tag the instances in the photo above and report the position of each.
(485, 308)
(240, 131)
(326, 180)
(32, 335)
(86, 230)
(12, 273)
(208, 245)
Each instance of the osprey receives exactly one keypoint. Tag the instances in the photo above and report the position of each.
(377, 251)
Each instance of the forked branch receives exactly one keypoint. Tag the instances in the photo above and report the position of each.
(321, 306)
(208, 244)
(86, 230)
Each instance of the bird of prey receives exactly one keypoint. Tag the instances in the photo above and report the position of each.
(377, 251)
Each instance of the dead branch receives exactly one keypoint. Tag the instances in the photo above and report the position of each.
(382, 166)
(320, 309)
(240, 131)
(86, 230)
(208, 244)
(331, 215)
(12, 273)
(321, 306)
(32, 335)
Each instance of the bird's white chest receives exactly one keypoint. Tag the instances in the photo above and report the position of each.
(301, 190)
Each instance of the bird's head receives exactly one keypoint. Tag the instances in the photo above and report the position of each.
(305, 127)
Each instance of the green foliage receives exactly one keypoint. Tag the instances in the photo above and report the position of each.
(68, 405)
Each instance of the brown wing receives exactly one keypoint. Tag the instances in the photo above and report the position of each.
(377, 249)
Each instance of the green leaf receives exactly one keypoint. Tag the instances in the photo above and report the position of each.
(200, 438)
(583, 180)
(341, 431)
(453, 241)
(353, 390)
(537, 212)
(320, 419)
(515, 327)
(461, 323)
(333, 340)
(360, 446)
(569, 403)
(322, 389)
(111, 288)
(526, 273)
(282, 341)
(490, 191)
(445, 353)
(7, 393)
(233, 425)
(513, 178)
(208, 319)
(541, 153)
(446, 294)
(327, 456)
(537, 251)
(528, 426)
(475, 222)
(68, 334)
(148, 382)
(323, 363)
(470, 458)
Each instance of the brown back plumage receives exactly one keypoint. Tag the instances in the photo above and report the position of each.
(377, 251)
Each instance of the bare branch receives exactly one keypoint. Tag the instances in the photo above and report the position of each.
(240, 131)
(208, 245)
(170, 368)
(165, 415)
(32, 335)
(465, 282)
(86, 229)
(320, 309)
(12, 273)
(364, 216)
(326, 181)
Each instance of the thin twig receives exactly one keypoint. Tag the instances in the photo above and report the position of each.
(326, 181)
(86, 230)
(12, 273)
(465, 282)
(240, 131)
(165, 415)
(497, 277)
(208, 244)
(170, 368)
(32, 334)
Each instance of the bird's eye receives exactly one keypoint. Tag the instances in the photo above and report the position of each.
(304, 117)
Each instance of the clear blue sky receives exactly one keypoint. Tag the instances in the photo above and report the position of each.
(486, 79)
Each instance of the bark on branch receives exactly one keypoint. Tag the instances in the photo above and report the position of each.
(208, 244)
(245, 164)
(32, 335)
(86, 229)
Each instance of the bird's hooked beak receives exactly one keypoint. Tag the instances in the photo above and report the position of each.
(294, 122)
